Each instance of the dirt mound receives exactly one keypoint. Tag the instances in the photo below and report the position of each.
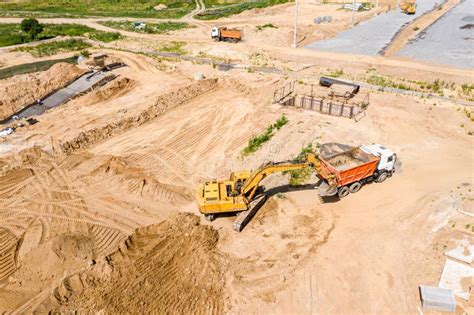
(164, 103)
(110, 91)
(172, 267)
(22, 90)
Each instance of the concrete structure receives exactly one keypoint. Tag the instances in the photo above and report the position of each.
(438, 299)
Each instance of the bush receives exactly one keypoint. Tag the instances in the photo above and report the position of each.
(32, 27)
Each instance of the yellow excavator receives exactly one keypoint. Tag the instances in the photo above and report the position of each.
(240, 193)
(408, 6)
(341, 170)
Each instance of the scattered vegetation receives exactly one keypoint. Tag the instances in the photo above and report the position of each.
(28, 31)
(117, 8)
(386, 82)
(105, 37)
(217, 11)
(256, 142)
(416, 28)
(85, 53)
(174, 47)
(335, 74)
(299, 177)
(268, 25)
(52, 48)
(150, 28)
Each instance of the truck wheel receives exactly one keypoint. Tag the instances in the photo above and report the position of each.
(382, 177)
(355, 187)
(343, 191)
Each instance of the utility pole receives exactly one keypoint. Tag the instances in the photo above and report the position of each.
(353, 12)
(295, 33)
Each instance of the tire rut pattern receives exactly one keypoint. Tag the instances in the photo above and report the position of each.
(168, 268)
(9, 245)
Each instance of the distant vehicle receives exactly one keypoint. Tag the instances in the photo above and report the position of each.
(225, 34)
(15, 117)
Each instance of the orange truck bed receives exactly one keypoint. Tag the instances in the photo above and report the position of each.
(350, 167)
(231, 33)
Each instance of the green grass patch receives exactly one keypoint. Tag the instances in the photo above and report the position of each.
(11, 34)
(386, 82)
(174, 47)
(335, 74)
(33, 67)
(268, 25)
(256, 142)
(115, 8)
(105, 37)
(219, 11)
(52, 48)
(150, 28)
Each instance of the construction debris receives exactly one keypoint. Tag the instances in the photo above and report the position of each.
(452, 278)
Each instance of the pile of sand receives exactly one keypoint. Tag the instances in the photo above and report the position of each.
(172, 267)
(22, 90)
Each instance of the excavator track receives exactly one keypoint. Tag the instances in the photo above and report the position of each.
(244, 217)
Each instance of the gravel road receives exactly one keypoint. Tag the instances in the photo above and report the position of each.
(450, 40)
(370, 37)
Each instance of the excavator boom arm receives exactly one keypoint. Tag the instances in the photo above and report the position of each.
(250, 186)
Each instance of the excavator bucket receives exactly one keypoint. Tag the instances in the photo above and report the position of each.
(244, 217)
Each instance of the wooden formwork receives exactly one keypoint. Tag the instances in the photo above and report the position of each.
(287, 95)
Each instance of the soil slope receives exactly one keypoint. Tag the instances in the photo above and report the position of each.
(22, 90)
(172, 267)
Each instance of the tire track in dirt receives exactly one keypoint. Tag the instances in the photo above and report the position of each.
(106, 239)
(172, 267)
(9, 245)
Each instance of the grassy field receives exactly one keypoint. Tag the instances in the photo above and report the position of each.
(11, 34)
(150, 28)
(215, 9)
(117, 8)
(49, 49)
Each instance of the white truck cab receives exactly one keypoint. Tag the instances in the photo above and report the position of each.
(215, 33)
(387, 157)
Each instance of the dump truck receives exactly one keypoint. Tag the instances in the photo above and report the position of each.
(225, 34)
(408, 6)
(341, 170)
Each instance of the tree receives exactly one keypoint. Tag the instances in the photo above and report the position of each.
(31, 26)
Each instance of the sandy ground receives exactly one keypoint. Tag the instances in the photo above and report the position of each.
(97, 199)
(22, 90)
(93, 178)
